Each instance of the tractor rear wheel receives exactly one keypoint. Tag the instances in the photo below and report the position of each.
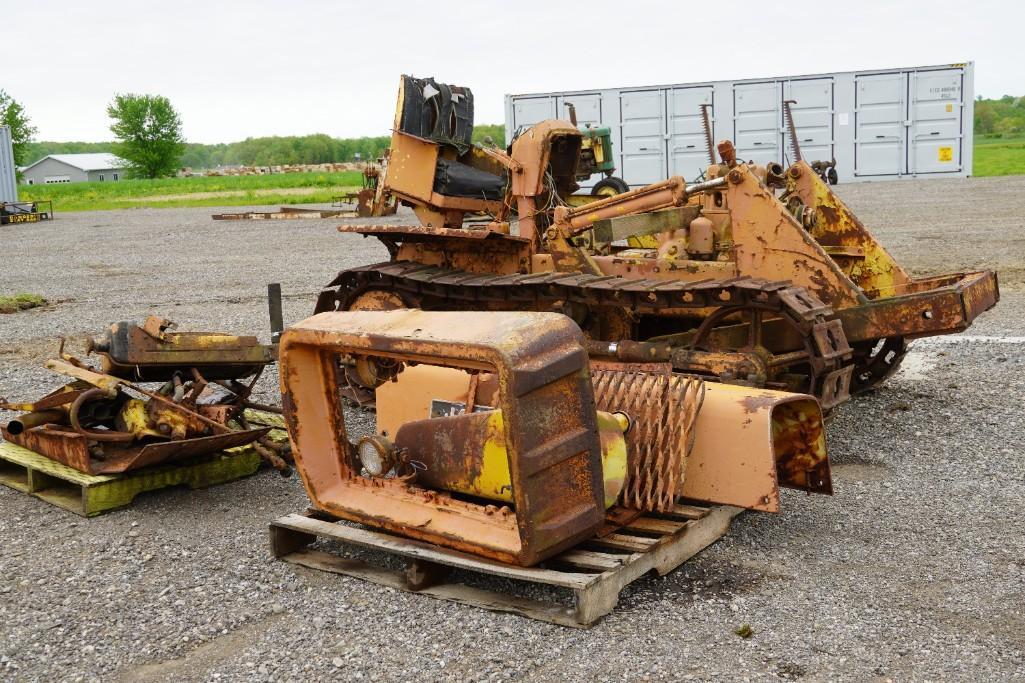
(609, 187)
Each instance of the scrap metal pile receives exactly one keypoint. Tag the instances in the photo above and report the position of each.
(543, 373)
(541, 369)
(105, 421)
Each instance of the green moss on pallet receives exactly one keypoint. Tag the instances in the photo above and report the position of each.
(89, 495)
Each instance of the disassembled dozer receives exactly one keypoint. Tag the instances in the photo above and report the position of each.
(496, 436)
(105, 423)
(724, 278)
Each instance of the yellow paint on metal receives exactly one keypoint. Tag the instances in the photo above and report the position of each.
(876, 272)
(494, 481)
(134, 418)
(611, 428)
(642, 242)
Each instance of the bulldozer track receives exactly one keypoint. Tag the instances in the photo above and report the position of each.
(433, 287)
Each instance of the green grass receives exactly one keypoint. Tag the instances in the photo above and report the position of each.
(993, 156)
(999, 156)
(20, 302)
(282, 188)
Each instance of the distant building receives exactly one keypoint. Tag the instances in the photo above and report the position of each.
(74, 168)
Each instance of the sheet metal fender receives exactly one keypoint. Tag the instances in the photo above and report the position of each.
(750, 442)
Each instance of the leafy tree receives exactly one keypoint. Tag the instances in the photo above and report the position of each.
(149, 134)
(495, 131)
(13, 114)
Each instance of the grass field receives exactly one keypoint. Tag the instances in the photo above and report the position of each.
(999, 156)
(993, 156)
(283, 188)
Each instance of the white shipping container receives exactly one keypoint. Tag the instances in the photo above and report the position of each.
(8, 172)
(879, 125)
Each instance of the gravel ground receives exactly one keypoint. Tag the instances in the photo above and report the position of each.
(913, 570)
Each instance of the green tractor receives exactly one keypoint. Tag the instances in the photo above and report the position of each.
(596, 157)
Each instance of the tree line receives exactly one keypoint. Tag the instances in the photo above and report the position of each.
(265, 151)
(1002, 118)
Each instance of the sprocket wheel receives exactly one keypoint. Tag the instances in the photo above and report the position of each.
(876, 361)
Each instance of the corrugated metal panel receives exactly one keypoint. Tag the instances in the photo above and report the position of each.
(880, 124)
(8, 177)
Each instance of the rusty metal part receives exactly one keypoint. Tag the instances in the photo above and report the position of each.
(106, 435)
(74, 449)
(33, 419)
(821, 342)
(706, 124)
(468, 453)
(795, 147)
(875, 362)
(545, 397)
(272, 458)
(152, 352)
(663, 409)
(749, 442)
(728, 153)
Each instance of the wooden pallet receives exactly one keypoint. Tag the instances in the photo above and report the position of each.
(89, 495)
(595, 571)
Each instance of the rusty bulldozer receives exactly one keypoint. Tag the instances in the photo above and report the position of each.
(758, 275)
(544, 373)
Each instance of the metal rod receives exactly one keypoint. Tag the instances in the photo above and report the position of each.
(277, 321)
(706, 185)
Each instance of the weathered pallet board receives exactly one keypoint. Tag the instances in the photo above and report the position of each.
(595, 571)
(90, 495)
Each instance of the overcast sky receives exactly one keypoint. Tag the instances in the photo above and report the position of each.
(247, 69)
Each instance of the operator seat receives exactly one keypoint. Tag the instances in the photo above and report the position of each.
(443, 114)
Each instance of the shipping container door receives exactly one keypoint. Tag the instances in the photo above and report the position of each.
(688, 150)
(813, 118)
(935, 133)
(879, 101)
(588, 108)
(530, 110)
(756, 121)
(642, 132)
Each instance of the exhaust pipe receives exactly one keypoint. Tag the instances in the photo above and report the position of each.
(29, 420)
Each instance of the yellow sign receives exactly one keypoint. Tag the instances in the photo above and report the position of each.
(946, 153)
(24, 218)
(950, 108)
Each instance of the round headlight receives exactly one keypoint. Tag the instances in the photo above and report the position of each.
(376, 454)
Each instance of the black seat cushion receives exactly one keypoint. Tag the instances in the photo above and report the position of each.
(456, 179)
